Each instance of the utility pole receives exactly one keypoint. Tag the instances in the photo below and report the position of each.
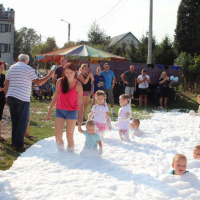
(69, 26)
(149, 60)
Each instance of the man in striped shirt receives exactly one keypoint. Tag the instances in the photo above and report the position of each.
(18, 86)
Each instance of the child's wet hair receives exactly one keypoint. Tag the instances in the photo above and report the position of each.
(125, 96)
(179, 156)
(90, 123)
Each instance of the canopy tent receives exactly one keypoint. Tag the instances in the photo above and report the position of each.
(83, 52)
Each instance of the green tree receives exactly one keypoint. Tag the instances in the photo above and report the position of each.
(164, 53)
(48, 46)
(17, 45)
(131, 52)
(185, 60)
(69, 44)
(25, 39)
(187, 37)
(96, 35)
(142, 49)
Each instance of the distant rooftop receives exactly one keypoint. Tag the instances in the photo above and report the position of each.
(6, 14)
(116, 39)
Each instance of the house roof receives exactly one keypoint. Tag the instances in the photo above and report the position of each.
(116, 39)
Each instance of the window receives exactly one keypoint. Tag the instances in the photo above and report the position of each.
(5, 48)
(4, 28)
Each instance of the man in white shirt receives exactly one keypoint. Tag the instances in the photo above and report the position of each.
(18, 84)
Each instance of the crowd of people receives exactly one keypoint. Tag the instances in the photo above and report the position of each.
(72, 94)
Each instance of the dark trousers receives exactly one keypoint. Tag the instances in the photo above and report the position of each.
(19, 111)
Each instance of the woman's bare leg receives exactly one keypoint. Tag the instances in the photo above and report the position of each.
(71, 124)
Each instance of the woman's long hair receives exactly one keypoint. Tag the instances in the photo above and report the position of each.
(64, 82)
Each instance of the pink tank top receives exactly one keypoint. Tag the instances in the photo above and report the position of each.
(69, 100)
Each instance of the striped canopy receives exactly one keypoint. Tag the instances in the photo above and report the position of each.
(83, 52)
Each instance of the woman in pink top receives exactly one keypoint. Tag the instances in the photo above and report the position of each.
(69, 99)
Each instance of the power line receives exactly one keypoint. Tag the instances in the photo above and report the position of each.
(103, 15)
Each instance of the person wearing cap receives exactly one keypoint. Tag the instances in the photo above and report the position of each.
(109, 84)
(17, 89)
(143, 81)
(129, 78)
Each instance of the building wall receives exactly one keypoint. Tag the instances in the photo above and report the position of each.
(7, 18)
(128, 39)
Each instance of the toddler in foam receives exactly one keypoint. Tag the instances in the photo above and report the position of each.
(179, 164)
(196, 152)
(92, 138)
(135, 123)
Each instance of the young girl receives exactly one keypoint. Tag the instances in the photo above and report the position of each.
(69, 100)
(100, 112)
(124, 116)
(92, 138)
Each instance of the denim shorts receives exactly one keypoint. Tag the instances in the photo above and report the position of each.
(66, 114)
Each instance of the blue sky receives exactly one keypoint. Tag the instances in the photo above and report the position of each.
(115, 17)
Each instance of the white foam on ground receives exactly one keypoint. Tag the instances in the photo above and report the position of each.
(135, 170)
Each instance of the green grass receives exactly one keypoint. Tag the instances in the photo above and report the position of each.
(40, 128)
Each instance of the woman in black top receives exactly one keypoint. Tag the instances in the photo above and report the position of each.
(2, 95)
(164, 83)
(86, 78)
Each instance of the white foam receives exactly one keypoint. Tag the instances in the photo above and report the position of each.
(126, 170)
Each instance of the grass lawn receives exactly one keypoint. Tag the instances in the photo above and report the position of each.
(40, 128)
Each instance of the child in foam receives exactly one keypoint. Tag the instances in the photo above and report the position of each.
(124, 116)
(135, 127)
(196, 152)
(179, 164)
(100, 112)
(92, 138)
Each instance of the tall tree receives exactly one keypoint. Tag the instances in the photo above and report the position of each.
(142, 49)
(25, 40)
(96, 35)
(17, 45)
(49, 45)
(187, 37)
(164, 53)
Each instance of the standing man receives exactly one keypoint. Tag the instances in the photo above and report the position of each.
(130, 79)
(109, 85)
(59, 70)
(17, 88)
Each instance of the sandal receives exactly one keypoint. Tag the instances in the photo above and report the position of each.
(2, 139)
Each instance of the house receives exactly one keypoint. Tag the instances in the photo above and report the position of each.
(126, 38)
(7, 18)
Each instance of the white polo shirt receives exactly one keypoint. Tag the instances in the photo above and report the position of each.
(144, 84)
(20, 77)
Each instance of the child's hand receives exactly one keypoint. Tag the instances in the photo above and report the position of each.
(100, 150)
